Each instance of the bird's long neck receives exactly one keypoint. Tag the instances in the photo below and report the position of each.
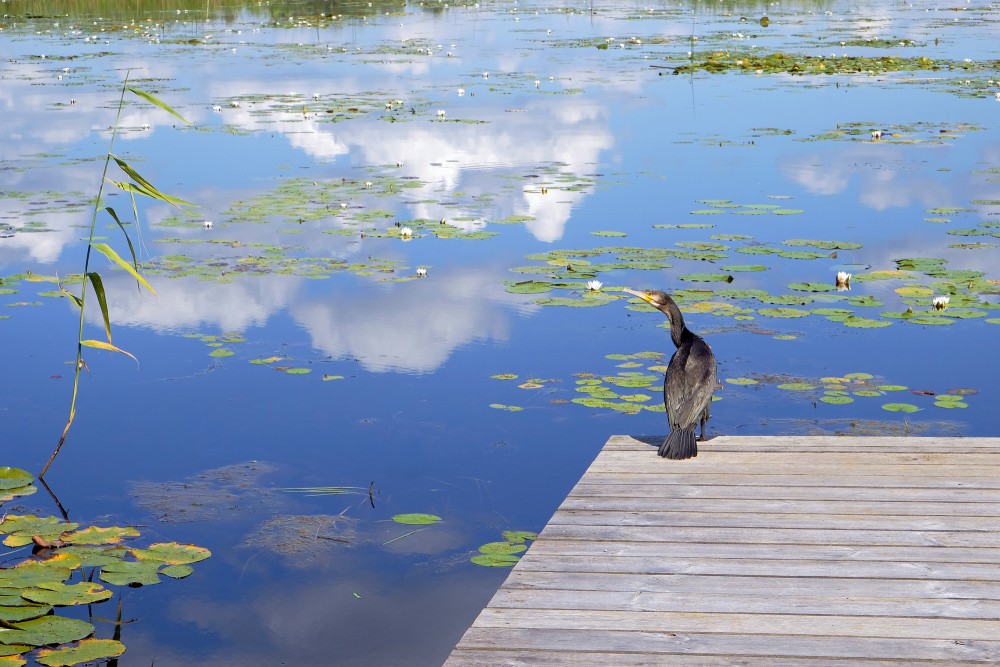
(677, 327)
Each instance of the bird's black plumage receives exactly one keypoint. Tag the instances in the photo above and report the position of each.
(689, 382)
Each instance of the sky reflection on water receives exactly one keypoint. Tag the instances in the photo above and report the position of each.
(551, 137)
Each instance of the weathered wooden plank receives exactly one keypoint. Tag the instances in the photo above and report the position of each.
(588, 489)
(827, 552)
(814, 443)
(650, 502)
(763, 550)
(761, 567)
(504, 657)
(773, 585)
(738, 602)
(773, 520)
(826, 625)
(690, 476)
(658, 642)
(777, 536)
(862, 460)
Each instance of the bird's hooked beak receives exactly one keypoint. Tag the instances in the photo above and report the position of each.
(645, 296)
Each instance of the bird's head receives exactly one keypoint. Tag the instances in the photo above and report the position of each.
(655, 297)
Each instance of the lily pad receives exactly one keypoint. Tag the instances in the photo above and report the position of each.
(47, 630)
(900, 407)
(58, 593)
(87, 650)
(11, 478)
(416, 519)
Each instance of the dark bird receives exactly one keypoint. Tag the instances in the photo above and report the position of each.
(689, 383)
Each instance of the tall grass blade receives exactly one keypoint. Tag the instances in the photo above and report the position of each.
(101, 345)
(128, 240)
(108, 252)
(77, 300)
(95, 280)
(153, 99)
(153, 194)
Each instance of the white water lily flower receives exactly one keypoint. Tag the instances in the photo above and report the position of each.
(843, 279)
(406, 232)
(876, 135)
(940, 302)
(235, 104)
(343, 204)
(461, 91)
(421, 272)
(216, 108)
(207, 224)
(441, 113)
(368, 185)
(595, 285)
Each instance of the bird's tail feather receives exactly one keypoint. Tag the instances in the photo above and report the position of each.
(680, 444)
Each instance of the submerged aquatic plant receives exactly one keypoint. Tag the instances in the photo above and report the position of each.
(36, 588)
(135, 184)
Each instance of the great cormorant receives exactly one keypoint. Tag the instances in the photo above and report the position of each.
(689, 383)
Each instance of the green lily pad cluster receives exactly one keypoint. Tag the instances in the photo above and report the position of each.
(758, 62)
(33, 588)
(505, 553)
(720, 206)
(844, 390)
(634, 389)
(895, 133)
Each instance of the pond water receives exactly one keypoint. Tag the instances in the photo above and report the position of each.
(529, 147)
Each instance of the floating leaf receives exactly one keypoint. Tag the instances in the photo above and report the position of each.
(796, 386)
(825, 245)
(737, 268)
(836, 400)
(812, 287)
(177, 571)
(519, 536)
(495, 560)
(47, 630)
(12, 478)
(963, 391)
(900, 407)
(509, 548)
(707, 277)
(783, 312)
(172, 553)
(741, 381)
(94, 535)
(416, 519)
(529, 287)
(221, 352)
(127, 573)
(298, 371)
(504, 376)
(60, 594)
(508, 408)
(88, 650)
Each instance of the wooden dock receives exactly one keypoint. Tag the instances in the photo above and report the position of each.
(761, 551)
